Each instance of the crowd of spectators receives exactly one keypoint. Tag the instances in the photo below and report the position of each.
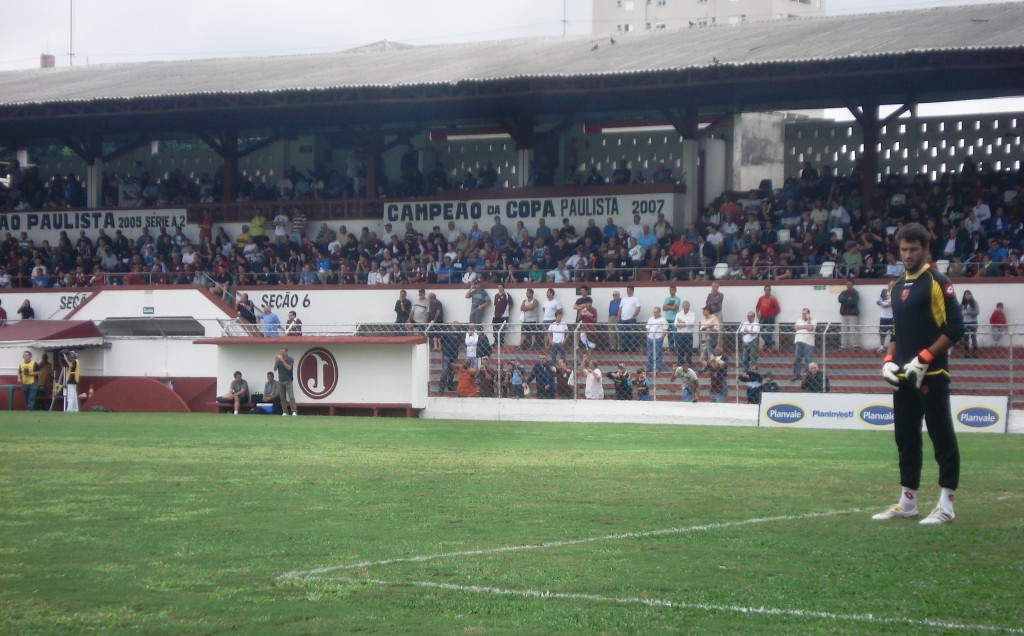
(974, 215)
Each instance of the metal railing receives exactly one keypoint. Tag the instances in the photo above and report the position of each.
(409, 272)
(505, 358)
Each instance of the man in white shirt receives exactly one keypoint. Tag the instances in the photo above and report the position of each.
(750, 330)
(418, 318)
(686, 326)
(549, 307)
(379, 276)
(561, 273)
(595, 388)
(556, 337)
(281, 227)
(636, 228)
(629, 310)
(686, 376)
(453, 233)
(657, 327)
(470, 276)
(803, 342)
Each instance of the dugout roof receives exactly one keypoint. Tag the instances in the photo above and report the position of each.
(50, 334)
(899, 57)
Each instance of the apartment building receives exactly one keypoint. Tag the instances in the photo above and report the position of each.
(634, 16)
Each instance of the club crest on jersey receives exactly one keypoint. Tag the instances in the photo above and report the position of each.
(948, 290)
(905, 294)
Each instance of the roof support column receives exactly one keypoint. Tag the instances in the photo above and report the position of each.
(228, 148)
(94, 183)
(523, 130)
(867, 115)
(687, 123)
(90, 150)
(229, 169)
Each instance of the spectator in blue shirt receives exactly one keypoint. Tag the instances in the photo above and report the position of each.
(270, 324)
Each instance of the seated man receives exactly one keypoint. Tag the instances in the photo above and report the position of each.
(272, 394)
(815, 380)
(238, 394)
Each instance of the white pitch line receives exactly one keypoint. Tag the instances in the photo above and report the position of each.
(305, 574)
(706, 607)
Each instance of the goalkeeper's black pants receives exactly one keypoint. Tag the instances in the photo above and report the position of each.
(931, 403)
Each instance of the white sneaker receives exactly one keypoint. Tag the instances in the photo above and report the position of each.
(895, 512)
(285, 414)
(937, 516)
(295, 412)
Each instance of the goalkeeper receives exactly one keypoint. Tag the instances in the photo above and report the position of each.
(927, 322)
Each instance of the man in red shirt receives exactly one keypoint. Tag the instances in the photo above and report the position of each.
(502, 312)
(998, 322)
(767, 310)
(587, 317)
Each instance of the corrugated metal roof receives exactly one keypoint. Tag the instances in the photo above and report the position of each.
(974, 27)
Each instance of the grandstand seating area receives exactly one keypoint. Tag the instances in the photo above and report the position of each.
(993, 372)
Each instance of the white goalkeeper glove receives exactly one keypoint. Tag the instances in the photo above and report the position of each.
(889, 371)
(915, 370)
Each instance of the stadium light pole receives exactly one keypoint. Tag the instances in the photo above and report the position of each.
(71, 33)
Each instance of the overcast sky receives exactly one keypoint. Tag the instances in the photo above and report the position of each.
(118, 31)
(124, 31)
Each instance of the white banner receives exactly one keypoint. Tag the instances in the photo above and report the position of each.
(528, 209)
(971, 413)
(49, 224)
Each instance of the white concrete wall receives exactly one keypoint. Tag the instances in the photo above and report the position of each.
(932, 145)
(153, 357)
(591, 412)
(142, 303)
(758, 150)
(367, 374)
(716, 167)
(48, 305)
(319, 306)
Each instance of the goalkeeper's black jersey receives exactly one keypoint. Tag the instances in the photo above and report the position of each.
(925, 306)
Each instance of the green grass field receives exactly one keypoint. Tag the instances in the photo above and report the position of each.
(210, 524)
